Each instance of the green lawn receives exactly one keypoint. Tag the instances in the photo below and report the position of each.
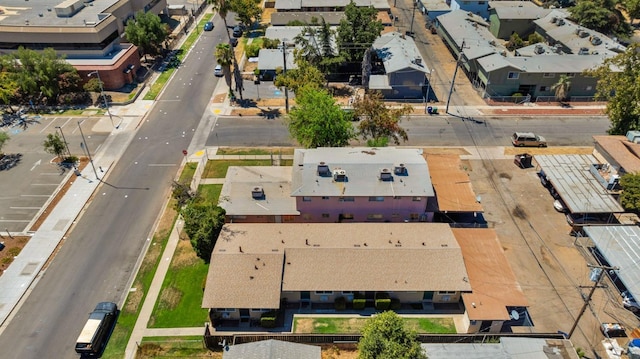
(218, 168)
(355, 324)
(180, 300)
(210, 192)
(187, 172)
(254, 151)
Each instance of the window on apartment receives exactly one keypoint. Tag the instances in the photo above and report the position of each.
(395, 215)
(589, 88)
(346, 216)
(374, 216)
(306, 217)
(343, 292)
(416, 199)
(306, 199)
(548, 75)
(324, 292)
(376, 199)
(447, 292)
(325, 197)
(513, 75)
(414, 216)
(261, 310)
(545, 88)
(347, 199)
(226, 310)
(397, 197)
(570, 74)
(325, 215)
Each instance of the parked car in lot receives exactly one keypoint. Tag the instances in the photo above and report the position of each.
(233, 42)
(629, 302)
(208, 26)
(528, 139)
(218, 71)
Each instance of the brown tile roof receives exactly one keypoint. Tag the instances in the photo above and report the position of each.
(330, 256)
(451, 184)
(494, 285)
(626, 153)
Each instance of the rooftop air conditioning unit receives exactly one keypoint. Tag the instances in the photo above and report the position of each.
(257, 192)
(385, 175)
(400, 170)
(339, 175)
(560, 22)
(323, 170)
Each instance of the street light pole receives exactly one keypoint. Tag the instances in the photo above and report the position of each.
(104, 97)
(284, 66)
(66, 144)
(428, 88)
(84, 146)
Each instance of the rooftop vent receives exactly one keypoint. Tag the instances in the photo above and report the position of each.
(400, 170)
(339, 175)
(257, 193)
(323, 170)
(560, 22)
(385, 175)
(633, 136)
(68, 8)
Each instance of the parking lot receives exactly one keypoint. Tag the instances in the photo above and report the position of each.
(26, 186)
(551, 266)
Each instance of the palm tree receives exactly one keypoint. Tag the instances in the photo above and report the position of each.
(222, 7)
(224, 57)
(562, 88)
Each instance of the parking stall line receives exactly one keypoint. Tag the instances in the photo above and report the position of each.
(35, 195)
(24, 207)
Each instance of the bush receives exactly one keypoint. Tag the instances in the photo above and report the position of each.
(359, 303)
(268, 322)
(252, 50)
(395, 304)
(340, 303)
(70, 159)
(383, 304)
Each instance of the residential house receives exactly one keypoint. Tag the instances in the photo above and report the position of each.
(619, 154)
(434, 8)
(272, 349)
(258, 194)
(495, 70)
(285, 18)
(361, 184)
(395, 67)
(424, 267)
(509, 17)
(270, 61)
(326, 6)
(506, 348)
(477, 7)
(88, 34)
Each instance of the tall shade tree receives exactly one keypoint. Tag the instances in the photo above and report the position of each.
(146, 31)
(317, 121)
(632, 7)
(54, 145)
(561, 88)
(357, 31)
(222, 7)
(304, 75)
(600, 15)
(246, 10)
(315, 43)
(385, 337)
(630, 197)
(224, 57)
(618, 83)
(379, 123)
(203, 223)
(42, 75)
(4, 138)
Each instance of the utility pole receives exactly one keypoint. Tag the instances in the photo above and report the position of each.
(413, 15)
(587, 300)
(84, 146)
(455, 72)
(284, 66)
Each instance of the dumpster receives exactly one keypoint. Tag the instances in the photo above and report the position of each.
(523, 160)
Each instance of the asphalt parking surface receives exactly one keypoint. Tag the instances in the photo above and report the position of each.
(27, 186)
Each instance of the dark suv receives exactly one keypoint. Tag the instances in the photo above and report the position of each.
(237, 31)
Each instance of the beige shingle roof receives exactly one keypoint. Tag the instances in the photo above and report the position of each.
(330, 256)
(622, 150)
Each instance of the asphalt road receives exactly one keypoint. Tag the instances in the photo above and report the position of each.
(99, 256)
(27, 186)
(427, 131)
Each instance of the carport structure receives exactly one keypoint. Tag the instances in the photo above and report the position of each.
(619, 246)
(573, 181)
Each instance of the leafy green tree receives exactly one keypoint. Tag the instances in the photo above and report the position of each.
(8, 88)
(534, 39)
(225, 57)
(618, 83)
(600, 15)
(147, 32)
(385, 337)
(4, 138)
(562, 88)
(357, 31)
(246, 10)
(315, 43)
(515, 42)
(632, 7)
(380, 123)
(202, 223)
(54, 145)
(303, 76)
(317, 121)
(630, 197)
(270, 43)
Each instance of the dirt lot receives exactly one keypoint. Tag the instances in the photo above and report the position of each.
(549, 266)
